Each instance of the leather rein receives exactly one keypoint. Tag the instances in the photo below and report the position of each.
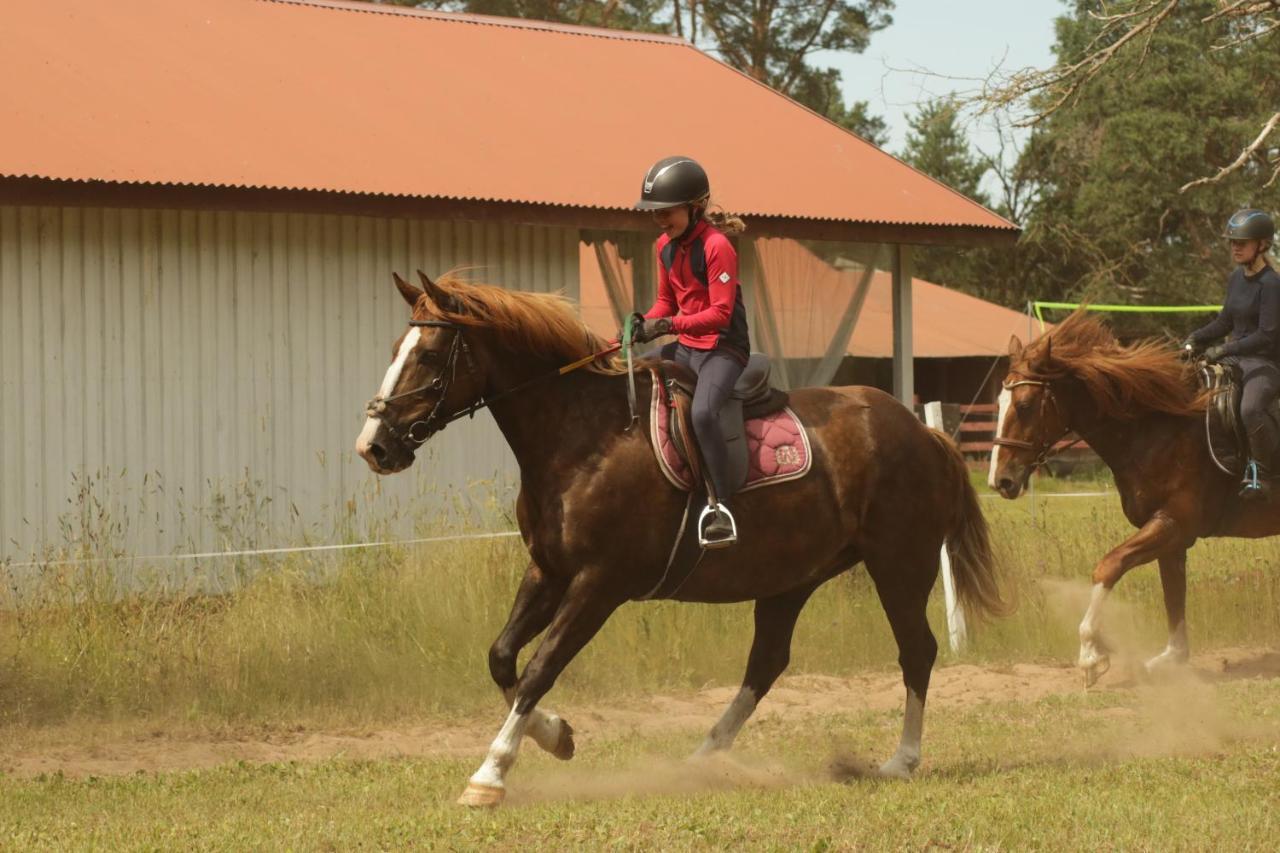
(421, 430)
(1044, 449)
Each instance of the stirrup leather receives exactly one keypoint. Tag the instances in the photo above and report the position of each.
(709, 512)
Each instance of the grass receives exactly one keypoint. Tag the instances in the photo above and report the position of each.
(404, 632)
(1096, 771)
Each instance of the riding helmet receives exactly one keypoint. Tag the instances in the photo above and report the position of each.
(671, 182)
(1251, 224)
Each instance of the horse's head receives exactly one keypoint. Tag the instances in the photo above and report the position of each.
(1031, 418)
(433, 376)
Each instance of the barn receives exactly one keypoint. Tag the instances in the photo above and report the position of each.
(202, 203)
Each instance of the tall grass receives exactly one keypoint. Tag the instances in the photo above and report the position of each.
(383, 633)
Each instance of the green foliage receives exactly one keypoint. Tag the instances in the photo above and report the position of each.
(1110, 223)
(773, 40)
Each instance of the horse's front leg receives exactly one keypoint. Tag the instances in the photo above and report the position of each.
(1173, 581)
(536, 602)
(587, 604)
(1154, 538)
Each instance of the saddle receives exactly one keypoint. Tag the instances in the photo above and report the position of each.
(1224, 428)
(766, 441)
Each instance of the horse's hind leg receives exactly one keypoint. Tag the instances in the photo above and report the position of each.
(535, 605)
(770, 652)
(1173, 580)
(903, 585)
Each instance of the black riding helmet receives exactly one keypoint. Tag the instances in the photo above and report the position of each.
(1251, 224)
(672, 182)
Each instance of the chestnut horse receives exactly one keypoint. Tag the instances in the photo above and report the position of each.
(599, 519)
(1139, 407)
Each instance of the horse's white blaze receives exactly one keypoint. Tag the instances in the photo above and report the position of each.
(907, 759)
(730, 722)
(1006, 396)
(365, 439)
(502, 752)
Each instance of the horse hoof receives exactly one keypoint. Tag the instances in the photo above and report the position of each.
(564, 743)
(482, 796)
(1165, 662)
(1095, 671)
(898, 768)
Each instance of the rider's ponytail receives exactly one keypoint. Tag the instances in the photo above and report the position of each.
(721, 220)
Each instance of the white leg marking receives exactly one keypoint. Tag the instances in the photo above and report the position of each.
(388, 387)
(502, 752)
(544, 727)
(730, 723)
(1005, 397)
(1091, 652)
(907, 758)
(1176, 652)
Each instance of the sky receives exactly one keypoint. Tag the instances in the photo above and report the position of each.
(932, 40)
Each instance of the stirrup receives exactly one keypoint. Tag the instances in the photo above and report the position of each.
(709, 511)
(1253, 486)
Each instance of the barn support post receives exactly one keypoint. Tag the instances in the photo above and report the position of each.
(903, 372)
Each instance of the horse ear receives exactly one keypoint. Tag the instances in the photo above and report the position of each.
(1047, 358)
(410, 293)
(434, 291)
(1015, 346)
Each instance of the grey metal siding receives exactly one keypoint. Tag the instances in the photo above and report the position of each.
(212, 351)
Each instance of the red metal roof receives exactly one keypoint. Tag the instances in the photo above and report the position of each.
(353, 97)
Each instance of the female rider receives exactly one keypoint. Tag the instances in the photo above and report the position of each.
(699, 300)
(1250, 318)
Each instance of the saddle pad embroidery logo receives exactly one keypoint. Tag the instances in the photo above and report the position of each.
(786, 455)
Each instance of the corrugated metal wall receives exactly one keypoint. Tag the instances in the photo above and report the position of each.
(220, 354)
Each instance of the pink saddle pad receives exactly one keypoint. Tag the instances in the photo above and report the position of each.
(777, 447)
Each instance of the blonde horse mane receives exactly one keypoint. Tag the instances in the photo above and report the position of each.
(1124, 380)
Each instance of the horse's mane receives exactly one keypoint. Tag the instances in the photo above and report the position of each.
(1124, 380)
(540, 324)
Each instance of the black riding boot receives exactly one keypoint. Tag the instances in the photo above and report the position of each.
(1256, 484)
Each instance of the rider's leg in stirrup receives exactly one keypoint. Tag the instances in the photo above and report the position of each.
(717, 374)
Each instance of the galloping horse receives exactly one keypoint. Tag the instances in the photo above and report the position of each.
(599, 519)
(1139, 407)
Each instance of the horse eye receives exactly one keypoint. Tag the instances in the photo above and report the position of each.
(1022, 407)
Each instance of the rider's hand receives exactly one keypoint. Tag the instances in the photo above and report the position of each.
(649, 330)
(1215, 353)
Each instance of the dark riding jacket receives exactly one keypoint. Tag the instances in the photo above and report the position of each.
(1250, 316)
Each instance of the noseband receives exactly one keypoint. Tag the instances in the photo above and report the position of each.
(419, 431)
(1044, 449)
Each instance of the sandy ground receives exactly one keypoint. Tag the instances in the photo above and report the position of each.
(78, 753)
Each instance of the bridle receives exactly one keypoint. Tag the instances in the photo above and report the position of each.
(421, 430)
(1044, 449)
(434, 421)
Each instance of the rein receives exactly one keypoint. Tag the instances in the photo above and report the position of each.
(435, 422)
(1044, 449)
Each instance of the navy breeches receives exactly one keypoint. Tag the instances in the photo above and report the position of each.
(1261, 387)
(717, 371)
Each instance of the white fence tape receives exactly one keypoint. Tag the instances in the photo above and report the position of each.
(262, 552)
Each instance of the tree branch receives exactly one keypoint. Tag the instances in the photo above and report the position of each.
(1239, 162)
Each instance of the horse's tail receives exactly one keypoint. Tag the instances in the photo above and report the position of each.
(974, 564)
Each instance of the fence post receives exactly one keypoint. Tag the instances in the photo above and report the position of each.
(956, 630)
